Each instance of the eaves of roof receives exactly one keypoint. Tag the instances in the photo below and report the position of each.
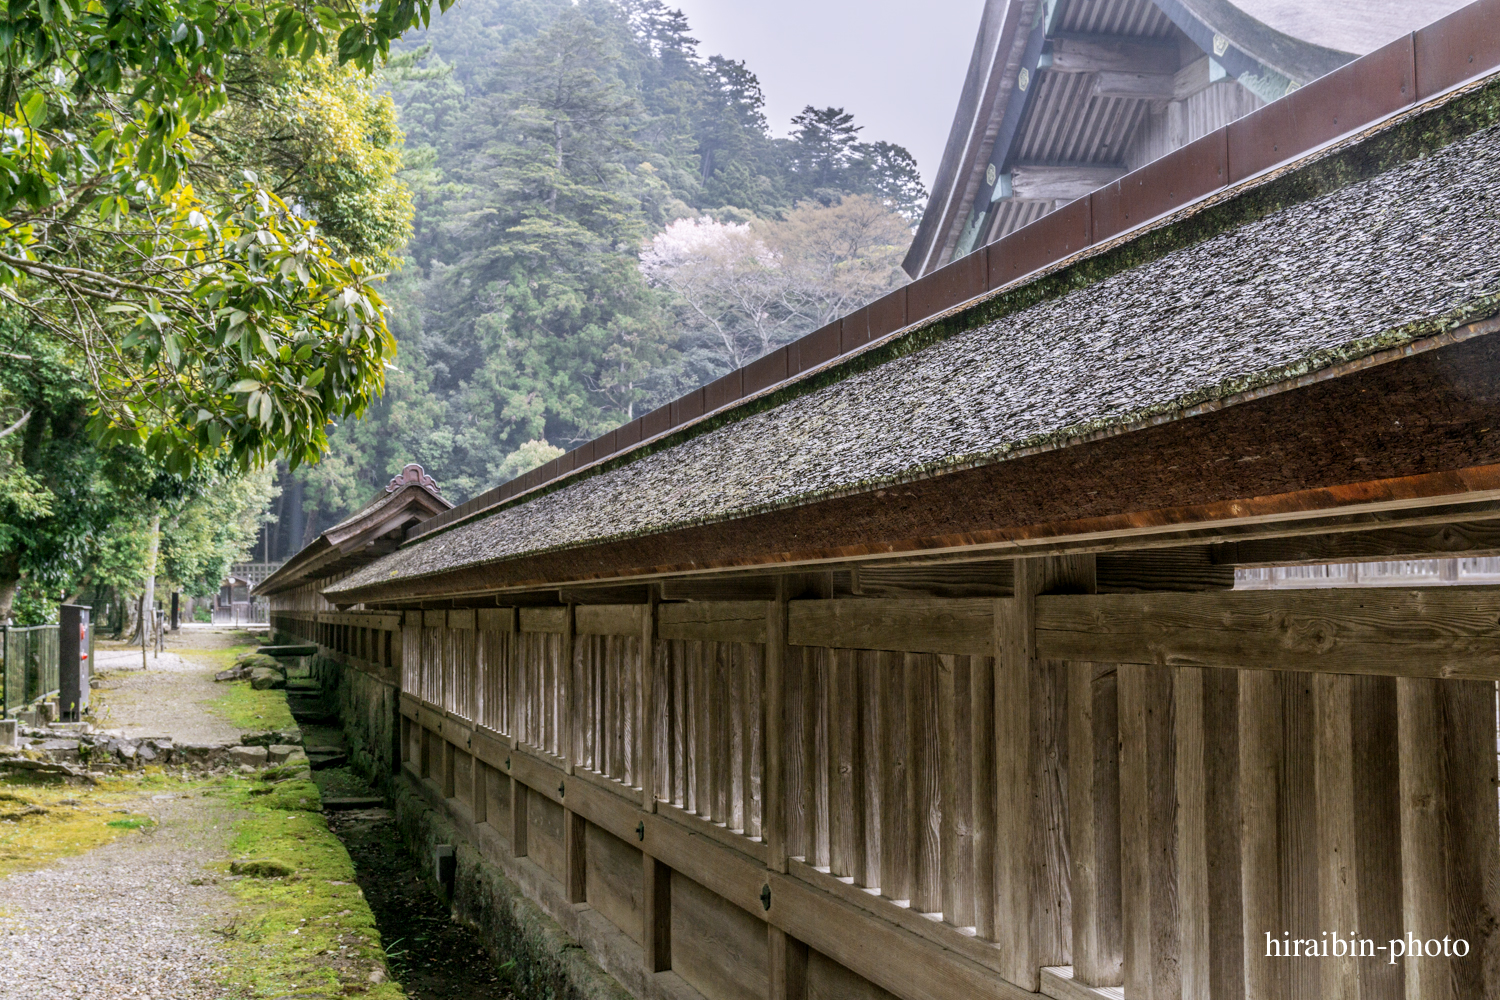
(1216, 313)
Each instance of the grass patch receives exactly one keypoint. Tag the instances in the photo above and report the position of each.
(309, 933)
(42, 820)
(249, 709)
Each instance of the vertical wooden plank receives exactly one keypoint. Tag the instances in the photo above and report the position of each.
(1377, 829)
(948, 881)
(840, 762)
(479, 774)
(1299, 830)
(1221, 775)
(1261, 781)
(773, 794)
(895, 830)
(447, 782)
(1094, 823)
(1333, 778)
(681, 747)
(815, 754)
(1034, 918)
(982, 783)
(793, 747)
(1449, 853)
(650, 732)
(788, 957)
(703, 749)
(569, 702)
(755, 740)
(735, 707)
(656, 914)
(1193, 887)
(518, 818)
(923, 779)
(575, 856)
(870, 751)
(1148, 833)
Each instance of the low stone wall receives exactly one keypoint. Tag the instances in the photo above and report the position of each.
(549, 963)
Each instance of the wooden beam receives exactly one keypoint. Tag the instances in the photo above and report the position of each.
(1112, 54)
(609, 619)
(1135, 86)
(1185, 569)
(1443, 632)
(1418, 541)
(699, 588)
(989, 578)
(1044, 182)
(713, 621)
(913, 625)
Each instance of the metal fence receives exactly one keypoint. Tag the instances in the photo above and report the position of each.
(29, 657)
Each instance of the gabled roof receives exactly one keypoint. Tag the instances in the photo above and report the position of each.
(1287, 346)
(1064, 97)
(376, 529)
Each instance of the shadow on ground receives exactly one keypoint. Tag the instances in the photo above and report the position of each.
(430, 955)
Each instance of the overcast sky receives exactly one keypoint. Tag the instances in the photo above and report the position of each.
(897, 66)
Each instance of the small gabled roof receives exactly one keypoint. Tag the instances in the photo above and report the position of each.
(375, 530)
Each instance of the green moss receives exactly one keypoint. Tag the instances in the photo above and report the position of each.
(250, 709)
(304, 928)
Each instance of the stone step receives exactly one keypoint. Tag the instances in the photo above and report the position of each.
(353, 802)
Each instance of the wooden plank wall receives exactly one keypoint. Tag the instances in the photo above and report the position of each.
(943, 798)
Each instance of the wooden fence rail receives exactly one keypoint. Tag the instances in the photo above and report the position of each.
(944, 798)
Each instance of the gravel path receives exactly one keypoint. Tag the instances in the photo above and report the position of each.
(125, 921)
(169, 697)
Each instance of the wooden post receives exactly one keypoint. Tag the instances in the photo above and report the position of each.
(1034, 918)
(575, 856)
(788, 958)
(647, 720)
(773, 800)
(519, 794)
(1094, 823)
(656, 914)
(1148, 836)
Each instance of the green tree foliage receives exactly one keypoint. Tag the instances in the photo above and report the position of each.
(213, 319)
(197, 200)
(547, 143)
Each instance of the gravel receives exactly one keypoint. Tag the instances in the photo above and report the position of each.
(122, 922)
(169, 697)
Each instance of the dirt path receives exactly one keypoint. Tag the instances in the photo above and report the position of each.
(170, 697)
(127, 921)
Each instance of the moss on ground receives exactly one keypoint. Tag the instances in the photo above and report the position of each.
(43, 819)
(307, 934)
(249, 709)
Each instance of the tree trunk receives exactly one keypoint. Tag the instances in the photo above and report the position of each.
(148, 599)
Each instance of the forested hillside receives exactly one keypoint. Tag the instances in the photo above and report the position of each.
(603, 220)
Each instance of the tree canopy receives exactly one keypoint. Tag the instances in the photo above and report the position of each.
(548, 145)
